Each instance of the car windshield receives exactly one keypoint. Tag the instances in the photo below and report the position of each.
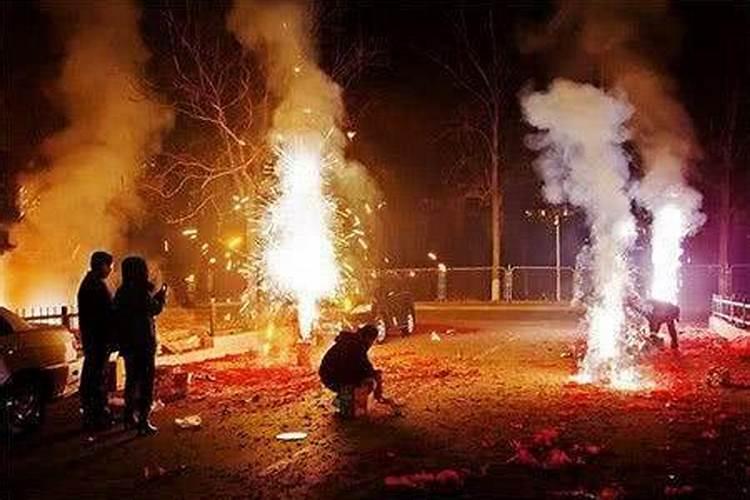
(15, 321)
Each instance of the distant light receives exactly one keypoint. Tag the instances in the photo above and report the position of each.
(351, 134)
(234, 242)
(442, 268)
(432, 255)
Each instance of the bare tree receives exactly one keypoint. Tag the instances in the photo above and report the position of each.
(730, 151)
(223, 110)
(480, 67)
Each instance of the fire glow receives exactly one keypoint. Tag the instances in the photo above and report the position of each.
(667, 232)
(300, 256)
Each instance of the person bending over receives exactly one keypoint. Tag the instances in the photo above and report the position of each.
(346, 370)
(659, 313)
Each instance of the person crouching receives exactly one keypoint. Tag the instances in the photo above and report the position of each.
(346, 370)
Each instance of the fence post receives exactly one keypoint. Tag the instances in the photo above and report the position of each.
(65, 315)
(442, 282)
(212, 317)
(508, 282)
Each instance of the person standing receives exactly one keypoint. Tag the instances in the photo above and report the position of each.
(95, 311)
(136, 305)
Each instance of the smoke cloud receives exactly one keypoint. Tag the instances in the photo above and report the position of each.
(87, 196)
(582, 162)
(624, 46)
(306, 129)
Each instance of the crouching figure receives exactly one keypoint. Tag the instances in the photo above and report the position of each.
(346, 370)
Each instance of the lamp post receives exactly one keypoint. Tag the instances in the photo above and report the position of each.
(554, 216)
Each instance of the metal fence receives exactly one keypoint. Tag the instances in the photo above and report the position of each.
(734, 310)
(538, 283)
(519, 283)
(51, 315)
(699, 286)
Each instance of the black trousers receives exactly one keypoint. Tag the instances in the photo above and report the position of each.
(655, 326)
(92, 390)
(140, 370)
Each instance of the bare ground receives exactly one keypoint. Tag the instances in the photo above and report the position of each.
(489, 404)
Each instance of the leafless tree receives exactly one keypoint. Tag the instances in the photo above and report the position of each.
(730, 150)
(222, 106)
(480, 67)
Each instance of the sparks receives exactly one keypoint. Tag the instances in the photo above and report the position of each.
(668, 230)
(300, 257)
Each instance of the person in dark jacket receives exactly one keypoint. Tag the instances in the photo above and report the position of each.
(95, 311)
(346, 369)
(659, 313)
(136, 305)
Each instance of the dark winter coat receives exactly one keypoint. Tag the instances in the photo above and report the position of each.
(346, 362)
(95, 313)
(135, 309)
(658, 313)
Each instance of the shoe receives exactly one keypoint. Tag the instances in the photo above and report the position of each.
(146, 428)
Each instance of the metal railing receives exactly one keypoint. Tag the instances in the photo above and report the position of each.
(51, 315)
(699, 286)
(520, 283)
(733, 310)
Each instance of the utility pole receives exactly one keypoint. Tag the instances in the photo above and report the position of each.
(555, 217)
(558, 294)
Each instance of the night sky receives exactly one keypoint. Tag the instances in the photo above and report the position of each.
(404, 104)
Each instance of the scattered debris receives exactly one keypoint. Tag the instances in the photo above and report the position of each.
(544, 451)
(172, 385)
(446, 480)
(291, 436)
(192, 342)
(678, 491)
(157, 471)
(154, 472)
(546, 437)
(189, 422)
(718, 376)
(710, 434)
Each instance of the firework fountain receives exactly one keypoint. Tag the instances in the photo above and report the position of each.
(675, 208)
(582, 162)
(299, 254)
(300, 257)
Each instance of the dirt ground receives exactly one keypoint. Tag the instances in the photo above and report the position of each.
(486, 411)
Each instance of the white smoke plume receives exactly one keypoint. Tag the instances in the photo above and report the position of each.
(582, 162)
(87, 195)
(300, 254)
(623, 45)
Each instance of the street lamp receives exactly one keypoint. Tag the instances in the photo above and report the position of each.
(554, 216)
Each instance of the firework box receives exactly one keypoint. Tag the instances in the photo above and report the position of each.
(304, 350)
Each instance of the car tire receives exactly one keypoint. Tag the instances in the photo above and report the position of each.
(411, 324)
(382, 327)
(25, 404)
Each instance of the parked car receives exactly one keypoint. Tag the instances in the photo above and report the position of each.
(388, 312)
(40, 362)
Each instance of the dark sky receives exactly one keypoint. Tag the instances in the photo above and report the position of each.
(403, 104)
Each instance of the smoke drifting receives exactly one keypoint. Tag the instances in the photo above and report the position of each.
(623, 46)
(582, 162)
(302, 255)
(86, 197)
